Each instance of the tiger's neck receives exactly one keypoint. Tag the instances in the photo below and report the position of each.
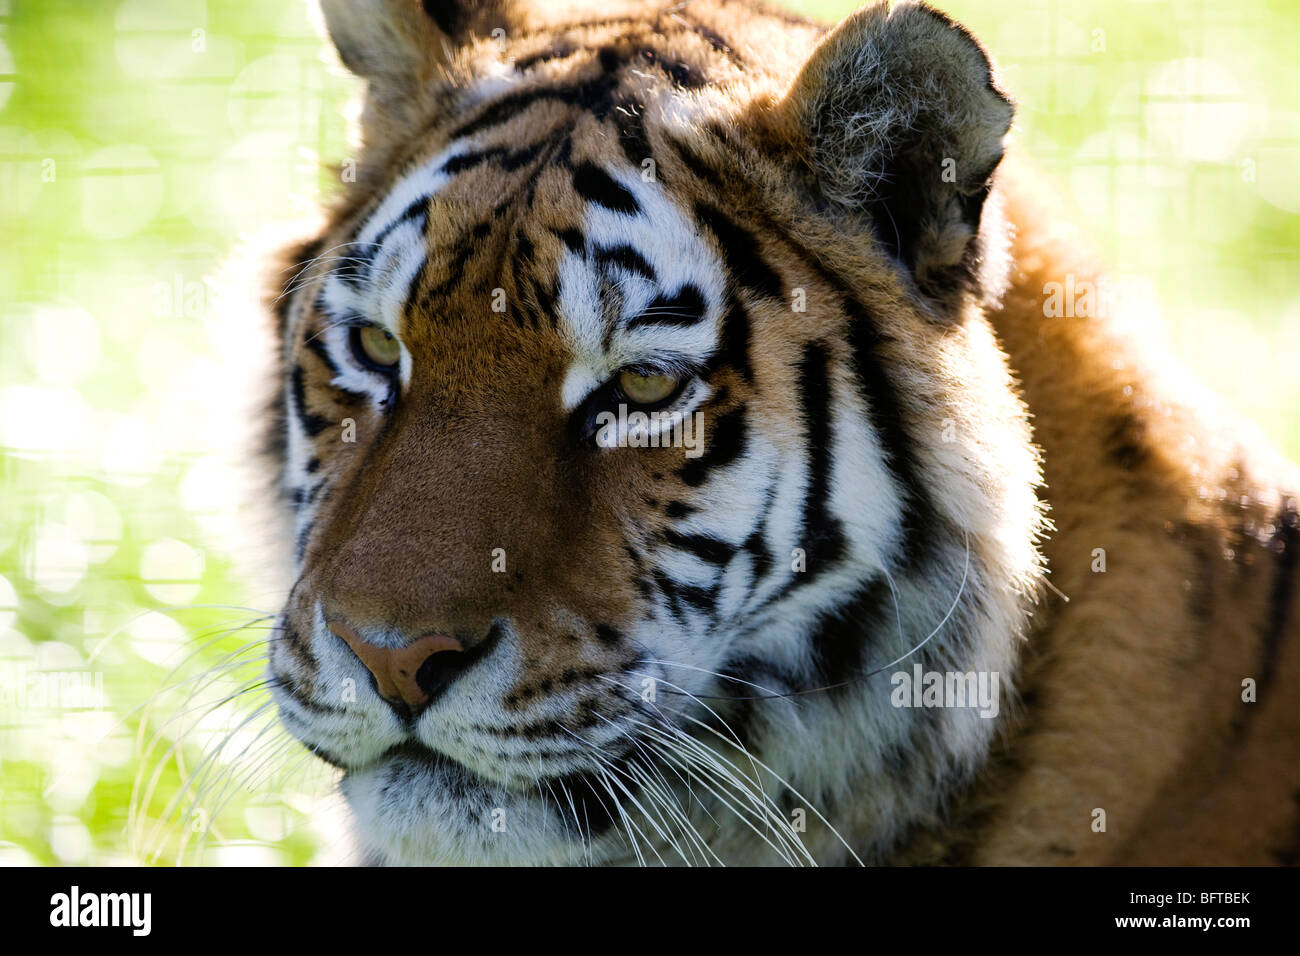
(1173, 559)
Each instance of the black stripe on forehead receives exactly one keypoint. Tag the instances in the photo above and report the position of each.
(451, 259)
(599, 96)
(501, 156)
(461, 251)
(597, 93)
(596, 96)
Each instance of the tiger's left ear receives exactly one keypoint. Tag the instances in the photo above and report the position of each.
(898, 118)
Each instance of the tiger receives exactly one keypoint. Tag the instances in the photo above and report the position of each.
(680, 466)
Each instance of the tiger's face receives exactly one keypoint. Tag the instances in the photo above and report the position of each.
(613, 411)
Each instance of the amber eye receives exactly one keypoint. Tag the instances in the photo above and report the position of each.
(646, 389)
(376, 348)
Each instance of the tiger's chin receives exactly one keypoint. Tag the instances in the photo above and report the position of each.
(412, 807)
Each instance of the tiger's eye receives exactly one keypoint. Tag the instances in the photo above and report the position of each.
(378, 346)
(646, 389)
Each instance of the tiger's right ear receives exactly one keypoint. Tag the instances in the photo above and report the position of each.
(398, 46)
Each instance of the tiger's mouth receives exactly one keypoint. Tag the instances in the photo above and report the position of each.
(580, 807)
(579, 792)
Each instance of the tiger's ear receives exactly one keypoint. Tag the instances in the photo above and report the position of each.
(898, 117)
(397, 45)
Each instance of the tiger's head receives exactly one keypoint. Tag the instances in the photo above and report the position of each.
(639, 418)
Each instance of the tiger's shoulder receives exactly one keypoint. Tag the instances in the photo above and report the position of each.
(1156, 722)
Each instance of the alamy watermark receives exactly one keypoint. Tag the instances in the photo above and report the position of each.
(922, 688)
(638, 429)
(75, 908)
(24, 686)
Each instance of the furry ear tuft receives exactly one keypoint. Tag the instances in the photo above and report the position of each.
(900, 120)
(398, 42)
(401, 48)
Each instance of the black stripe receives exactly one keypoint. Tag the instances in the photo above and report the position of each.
(353, 269)
(316, 489)
(756, 545)
(706, 548)
(1286, 544)
(300, 543)
(325, 755)
(698, 167)
(596, 814)
(713, 39)
(558, 51)
(316, 344)
(449, 15)
(884, 409)
(701, 599)
(675, 592)
(290, 639)
(741, 250)
(311, 423)
(725, 441)
(298, 263)
(685, 307)
(627, 258)
(596, 185)
(629, 117)
(544, 297)
(607, 635)
(571, 238)
(610, 60)
(886, 418)
(464, 250)
(823, 533)
(507, 159)
(342, 396)
(682, 74)
(583, 717)
(734, 347)
(300, 697)
(753, 679)
(840, 636)
(524, 247)
(595, 95)
(418, 209)
(666, 589)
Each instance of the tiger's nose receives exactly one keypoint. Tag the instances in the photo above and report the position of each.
(407, 677)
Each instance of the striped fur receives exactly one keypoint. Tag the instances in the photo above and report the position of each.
(689, 657)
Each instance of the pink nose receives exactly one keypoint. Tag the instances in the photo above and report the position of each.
(396, 669)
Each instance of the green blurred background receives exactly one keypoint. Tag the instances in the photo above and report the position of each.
(142, 140)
